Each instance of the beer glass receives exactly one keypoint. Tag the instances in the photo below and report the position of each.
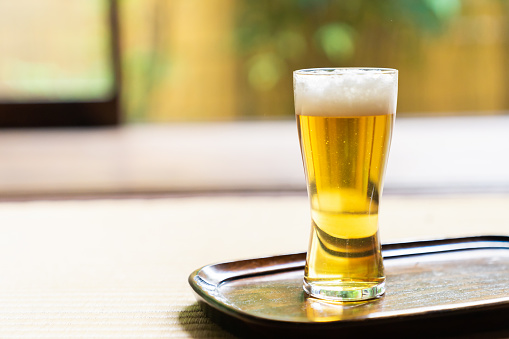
(345, 118)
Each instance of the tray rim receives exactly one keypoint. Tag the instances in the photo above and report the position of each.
(389, 250)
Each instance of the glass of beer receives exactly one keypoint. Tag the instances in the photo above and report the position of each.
(345, 118)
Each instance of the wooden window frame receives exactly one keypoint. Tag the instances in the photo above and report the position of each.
(76, 113)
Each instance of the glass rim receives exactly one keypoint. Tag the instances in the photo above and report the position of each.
(345, 70)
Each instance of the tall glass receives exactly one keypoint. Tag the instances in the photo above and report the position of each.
(345, 118)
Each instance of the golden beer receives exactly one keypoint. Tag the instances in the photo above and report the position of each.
(345, 140)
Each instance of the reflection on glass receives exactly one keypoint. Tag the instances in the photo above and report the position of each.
(324, 311)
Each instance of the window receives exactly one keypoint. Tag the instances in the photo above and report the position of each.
(59, 63)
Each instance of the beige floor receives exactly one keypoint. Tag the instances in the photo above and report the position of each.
(119, 268)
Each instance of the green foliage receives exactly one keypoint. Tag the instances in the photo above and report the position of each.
(277, 36)
(337, 40)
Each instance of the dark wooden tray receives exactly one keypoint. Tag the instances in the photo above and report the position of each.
(445, 287)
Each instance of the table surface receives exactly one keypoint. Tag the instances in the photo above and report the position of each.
(118, 268)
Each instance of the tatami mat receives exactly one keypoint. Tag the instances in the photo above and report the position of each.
(119, 268)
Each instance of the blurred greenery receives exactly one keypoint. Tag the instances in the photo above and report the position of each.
(275, 37)
(175, 51)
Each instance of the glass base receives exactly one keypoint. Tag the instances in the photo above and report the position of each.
(344, 291)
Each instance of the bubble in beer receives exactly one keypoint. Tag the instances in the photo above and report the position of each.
(345, 92)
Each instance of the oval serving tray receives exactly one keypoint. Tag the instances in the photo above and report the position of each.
(443, 287)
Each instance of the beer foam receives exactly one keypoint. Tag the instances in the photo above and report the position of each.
(345, 91)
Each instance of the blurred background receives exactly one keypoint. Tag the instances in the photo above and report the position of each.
(189, 60)
(178, 65)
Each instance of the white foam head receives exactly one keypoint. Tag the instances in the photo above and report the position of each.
(345, 91)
